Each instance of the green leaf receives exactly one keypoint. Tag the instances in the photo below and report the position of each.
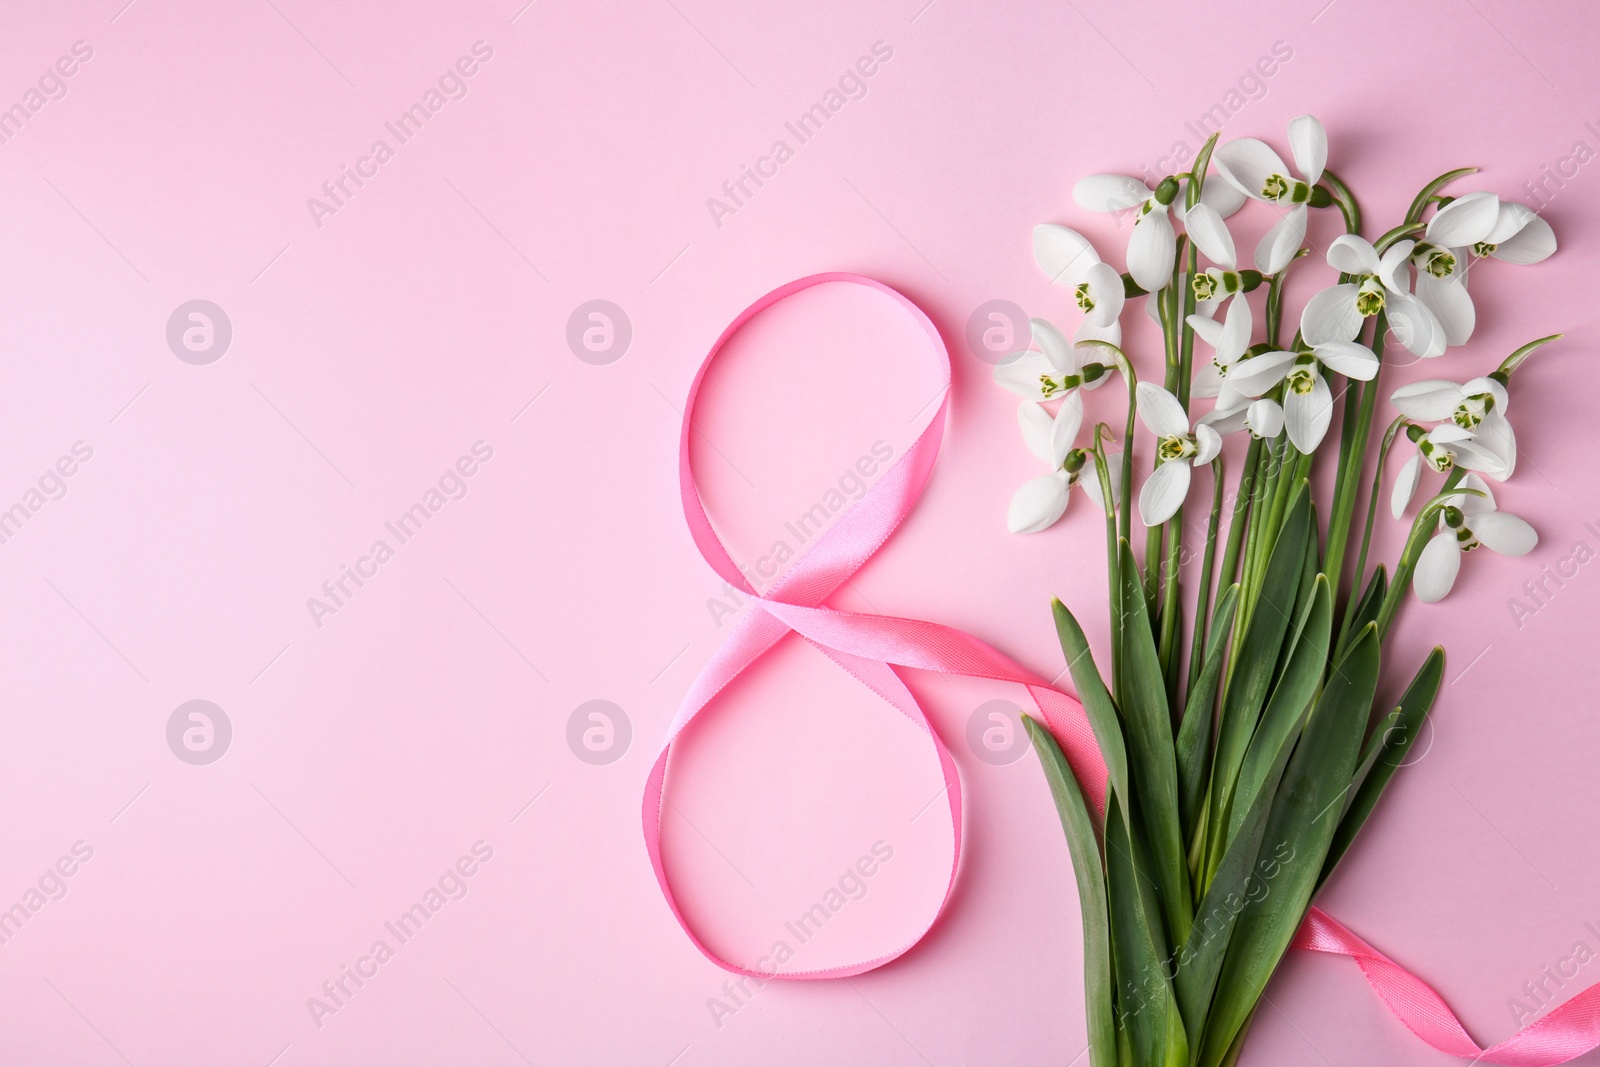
(1420, 203)
(1256, 663)
(1086, 867)
(1194, 734)
(1151, 756)
(1238, 879)
(1097, 702)
(1291, 698)
(1305, 814)
(1385, 752)
(1146, 1006)
(1366, 609)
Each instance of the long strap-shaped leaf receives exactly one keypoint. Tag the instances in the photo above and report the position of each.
(1085, 849)
(1149, 727)
(1199, 719)
(1384, 754)
(1146, 1006)
(1305, 814)
(1253, 670)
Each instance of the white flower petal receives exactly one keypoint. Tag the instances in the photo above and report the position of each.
(1037, 427)
(1224, 197)
(1534, 242)
(1307, 415)
(1474, 386)
(1405, 486)
(1464, 221)
(1090, 480)
(1265, 417)
(1021, 374)
(1348, 358)
(1039, 503)
(1506, 534)
(1105, 288)
(1414, 326)
(1064, 428)
(1160, 411)
(1480, 502)
(1226, 420)
(1308, 142)
(1163, 493)
(1054, 346)
(1209, 442)
(1247, 164)
(1353, 255)
(1331, 315)
(1450, 303)
(1393, 268)
(1279, 244)
(1496, 435)
(1210, 234)
(1472, 456)
(1235, 335)
(1207, 380)
(1063, 253)
(1437, 567)
(1258, 374)
(1512, 217)
(1110, 192)
(1152, 250)
(1208, 330)
(1429, 400)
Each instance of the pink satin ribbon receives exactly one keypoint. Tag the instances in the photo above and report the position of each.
(870, 647)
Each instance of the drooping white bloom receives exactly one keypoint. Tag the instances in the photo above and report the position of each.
(1442, 448)
(1043, 500)
(1228, 340)
(1069, 259)
(1479, 405)
(1484, 225)
(1465, 523)
(1178, 448)
(1050, 372)
(1377, 284)
(1153, 247)
(1258, 172)
(1263, 417)
(1307, 398)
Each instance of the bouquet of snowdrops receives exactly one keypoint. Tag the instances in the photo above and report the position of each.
(1240, 773)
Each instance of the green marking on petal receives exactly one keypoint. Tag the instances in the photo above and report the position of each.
(1484, 248)
(1085, 299)
(1169, 448)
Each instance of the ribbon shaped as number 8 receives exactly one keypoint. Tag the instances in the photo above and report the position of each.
(870, 647)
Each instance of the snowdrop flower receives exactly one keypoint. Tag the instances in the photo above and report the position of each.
(1465, 522)
(1178, 448)
(1055, 370)
(1070, 260)
(1376, 284)
(1258, 172)
(1153, 248)
(1479, 406)
(1215, 284)
(1042, 500)
(1307, 399)
(1442, 448)
(1263, 417)
(1228, 339)
(1487, 226)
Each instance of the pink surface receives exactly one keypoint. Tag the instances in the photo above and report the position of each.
(430, 311)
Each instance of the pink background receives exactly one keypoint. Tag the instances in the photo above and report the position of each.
(430, 711)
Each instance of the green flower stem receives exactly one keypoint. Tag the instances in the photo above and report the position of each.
(1202, 608)
(1351, 461)
(1238, 523)
(1359, 575)
(1261, 494)
(1102, 472)
(1345, 200)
